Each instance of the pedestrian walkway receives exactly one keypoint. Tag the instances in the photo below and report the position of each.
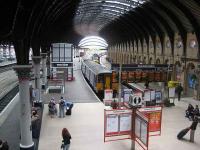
(86, 125)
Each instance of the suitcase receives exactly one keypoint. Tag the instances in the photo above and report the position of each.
(68, 112)
(182, 133)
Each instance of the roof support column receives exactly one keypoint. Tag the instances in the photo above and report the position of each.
(23, 72)
(36, 65)
(44, 70)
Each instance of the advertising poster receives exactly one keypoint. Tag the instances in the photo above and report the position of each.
(144, 132)
(172, 92)
(147, 96)
(127, 93)
(112, 125)
(137, 126)
(158, 96)
(152, 95)
(191, 82)
(154, 121)
(125, 122)
(108, 94)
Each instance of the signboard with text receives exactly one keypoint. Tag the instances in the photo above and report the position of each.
(141, 130)
(117, 124)
(154, 115)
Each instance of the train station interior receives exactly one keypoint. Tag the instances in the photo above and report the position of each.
(112, 74)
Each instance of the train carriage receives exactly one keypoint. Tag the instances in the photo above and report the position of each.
(98, 77)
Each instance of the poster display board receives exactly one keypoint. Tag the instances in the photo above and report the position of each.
(117, 124)
(154, 115)
(152, 95)
(172, 92)
(125, 123)
(112, 124)
(108, 97)
(108, 94)
(141, 130)
(158, 97)
(147, 95)
(127, 93)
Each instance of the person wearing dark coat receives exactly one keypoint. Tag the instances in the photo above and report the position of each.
(66, 139)
(193, 128)
(179, 90)
(196, 110)
(190, 111)
(4, 145)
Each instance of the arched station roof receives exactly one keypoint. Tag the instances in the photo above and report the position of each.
(40, 22)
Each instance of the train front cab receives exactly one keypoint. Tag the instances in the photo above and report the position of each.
(103, 82)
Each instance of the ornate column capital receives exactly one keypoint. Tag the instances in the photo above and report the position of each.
(44, 55)
(36, 59)
(23, 71)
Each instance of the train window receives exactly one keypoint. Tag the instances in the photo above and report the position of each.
(100, 79)
(124, 76)
(114, 77)
(131, 76)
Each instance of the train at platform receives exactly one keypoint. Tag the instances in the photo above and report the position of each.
(101, 78)
(98, 77)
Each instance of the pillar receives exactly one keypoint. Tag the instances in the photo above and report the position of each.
(23, 72)
(36, 65)
(44, 68)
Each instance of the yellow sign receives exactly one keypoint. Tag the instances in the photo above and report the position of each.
(173, 84)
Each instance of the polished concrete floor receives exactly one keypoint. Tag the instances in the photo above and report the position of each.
(86, 125)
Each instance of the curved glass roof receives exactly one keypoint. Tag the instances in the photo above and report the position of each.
(98, 13)
(93, 42)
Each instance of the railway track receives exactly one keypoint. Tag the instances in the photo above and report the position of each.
(6, 67)
(5, 100)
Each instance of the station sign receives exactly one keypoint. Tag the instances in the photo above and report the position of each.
(62, 65)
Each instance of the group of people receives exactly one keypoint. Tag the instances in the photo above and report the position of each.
(64, 107)
(4, 145)
(191, 112)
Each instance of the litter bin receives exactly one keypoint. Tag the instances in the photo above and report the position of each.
(69, 106)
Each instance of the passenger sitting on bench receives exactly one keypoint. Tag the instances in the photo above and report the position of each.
(190, 112)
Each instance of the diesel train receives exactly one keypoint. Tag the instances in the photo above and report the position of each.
(99, 77)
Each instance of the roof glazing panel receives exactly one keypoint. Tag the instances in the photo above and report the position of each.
(89, 12)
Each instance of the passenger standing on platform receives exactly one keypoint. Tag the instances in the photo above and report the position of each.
(52, 107)
(66, 139)
(196, 111)
(193, 128)
(179, 90)
(4, 145)
(61, 108)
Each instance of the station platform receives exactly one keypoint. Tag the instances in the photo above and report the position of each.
(86, 124)
(7, 63)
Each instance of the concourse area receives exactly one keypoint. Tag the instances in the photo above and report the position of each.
(100, 74)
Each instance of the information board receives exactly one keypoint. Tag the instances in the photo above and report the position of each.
(127, 93)
(154, 115)
(141, 130)
(125, 122)
(144, 133)
(112, 125)
(108, 94)
(158, 96)
(118, 124)
(152, 95)
(147, 95)
(172, 92)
